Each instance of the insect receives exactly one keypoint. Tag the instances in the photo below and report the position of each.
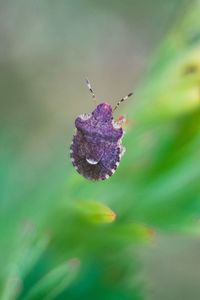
(96, 148)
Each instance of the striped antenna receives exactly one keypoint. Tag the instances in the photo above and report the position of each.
(91, 90)
(122, 100)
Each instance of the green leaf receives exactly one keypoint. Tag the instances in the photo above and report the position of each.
(53, 283)
(95, 212)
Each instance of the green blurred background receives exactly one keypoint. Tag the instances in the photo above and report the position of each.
(136, 235)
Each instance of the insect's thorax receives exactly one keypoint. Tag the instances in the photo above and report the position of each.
(100, 132)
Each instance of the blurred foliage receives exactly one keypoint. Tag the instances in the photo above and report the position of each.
(66, 238)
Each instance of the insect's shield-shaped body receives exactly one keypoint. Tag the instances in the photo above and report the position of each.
(96, 148)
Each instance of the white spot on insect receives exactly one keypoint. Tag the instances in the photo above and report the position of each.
(113, 171)
(71, 151)
(116, 125)
(117, 163)
(122, 151)
(72, 159)
(107, 176)
(120, 141)
(92, 161)
(123, 134)
(85, 117)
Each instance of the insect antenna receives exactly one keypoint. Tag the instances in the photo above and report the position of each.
(122, 100)
(91, 90)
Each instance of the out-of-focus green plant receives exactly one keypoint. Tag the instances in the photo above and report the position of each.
(102, 224)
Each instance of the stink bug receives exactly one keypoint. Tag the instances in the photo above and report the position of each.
(96, 148)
